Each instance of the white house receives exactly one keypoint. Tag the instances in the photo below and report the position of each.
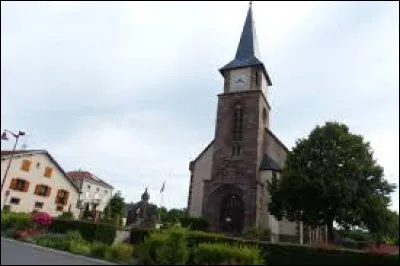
(95, 193)
(35, 181)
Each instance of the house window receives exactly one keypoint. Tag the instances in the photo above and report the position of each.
(59, 208)
(98, 189)
(62, 197)
(26, 164)
(105, 191)
(37, 165)
(88, 186)
(15, 201)
(38, 205)
(47, 171)
(42, 190)
(19, 185)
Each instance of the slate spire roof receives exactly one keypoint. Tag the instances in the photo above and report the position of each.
(247, 54)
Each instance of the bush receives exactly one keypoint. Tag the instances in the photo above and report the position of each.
(66, 216)
(193, 223)
(146, 251)
(281, 254)
(99, 250)
(74, 236)
(251, 233)
(265, 235)
(138, 235)
(174, 251)
(26, 233)
(82, 248)
(196, 237)
(42, 219)
(52, 241)
(224, 254)
(16, 221)
(122, 252)
(90, 231)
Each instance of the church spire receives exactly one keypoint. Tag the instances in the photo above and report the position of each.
(247, 54)
(248, 45)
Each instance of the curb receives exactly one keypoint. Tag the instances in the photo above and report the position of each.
(68, 254)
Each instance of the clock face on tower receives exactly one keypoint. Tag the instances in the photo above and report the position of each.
(239, 82)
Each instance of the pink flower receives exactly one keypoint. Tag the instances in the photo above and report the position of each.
(42, 218)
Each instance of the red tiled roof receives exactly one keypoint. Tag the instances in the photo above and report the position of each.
(86, 175)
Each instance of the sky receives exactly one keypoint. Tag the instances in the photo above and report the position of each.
(127, 90)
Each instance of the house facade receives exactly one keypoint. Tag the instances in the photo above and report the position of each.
(95, 193)
(35, 181)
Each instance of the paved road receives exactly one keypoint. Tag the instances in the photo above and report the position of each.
(17, 253)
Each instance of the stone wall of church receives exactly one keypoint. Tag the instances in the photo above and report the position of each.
(274, 149)
(201, 171)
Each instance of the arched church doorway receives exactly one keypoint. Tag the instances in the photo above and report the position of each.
(231, 217)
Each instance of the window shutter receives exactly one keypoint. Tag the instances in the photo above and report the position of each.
(58, 196)
(48, 191)
(26, 186)
(37, 189)
(48, 171)
(13, 184)
(66, 197)
(26, 164)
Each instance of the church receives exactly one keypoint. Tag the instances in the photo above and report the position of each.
(228, 179)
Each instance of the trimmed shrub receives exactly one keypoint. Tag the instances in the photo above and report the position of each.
(146, 251)
(83, 248)
(174, 251)
(66, 216)
(52, 241)
(74, 236)
(16, 221)
(251, 233)
(224, 254)
(90, 231)
(193, 223)
(281, 254)
(196, 237)
(122, 252)
(99, 250)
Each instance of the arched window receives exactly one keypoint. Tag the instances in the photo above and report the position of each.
(257, 78)
(238, 123)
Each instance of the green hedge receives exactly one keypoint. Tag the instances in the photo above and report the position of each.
(283, 254)
(225, 254)
(90, 231)
(17, 221)
(304, 255)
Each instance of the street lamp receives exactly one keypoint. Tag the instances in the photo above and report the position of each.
(5, 137)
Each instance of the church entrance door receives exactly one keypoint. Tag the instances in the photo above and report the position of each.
(231, 216)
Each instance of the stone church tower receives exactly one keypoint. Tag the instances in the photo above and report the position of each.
(228, 179)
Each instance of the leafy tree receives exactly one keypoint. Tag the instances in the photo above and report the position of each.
(115, 208)
(382, 223)
(329, 176)
(172, 215)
